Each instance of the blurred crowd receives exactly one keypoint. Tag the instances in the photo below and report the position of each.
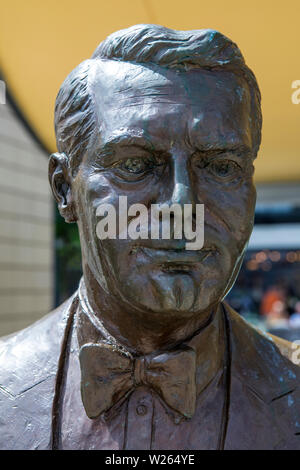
(269, 299)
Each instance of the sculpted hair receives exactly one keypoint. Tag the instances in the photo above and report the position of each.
(75, 116)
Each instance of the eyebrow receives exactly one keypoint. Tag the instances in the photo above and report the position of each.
(125, 140)
(139, 140)
(237, 148)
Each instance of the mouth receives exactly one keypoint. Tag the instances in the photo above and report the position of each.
(176, 259)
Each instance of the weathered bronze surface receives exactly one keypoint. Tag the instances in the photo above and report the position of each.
(146, 354)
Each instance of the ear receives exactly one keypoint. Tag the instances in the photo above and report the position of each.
(60, 181)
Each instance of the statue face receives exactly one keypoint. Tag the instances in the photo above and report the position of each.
(168, 136)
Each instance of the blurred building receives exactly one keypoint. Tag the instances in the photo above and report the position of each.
(26, 226)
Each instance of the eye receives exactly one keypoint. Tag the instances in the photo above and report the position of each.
(135, 168)
(224, 168)
(135, 165)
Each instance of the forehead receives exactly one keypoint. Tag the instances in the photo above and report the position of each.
(166, 103)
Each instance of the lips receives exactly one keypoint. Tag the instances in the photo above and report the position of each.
(172, 257)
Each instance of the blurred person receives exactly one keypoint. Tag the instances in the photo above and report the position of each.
(295, 316)
(277, 317)
(273, 294)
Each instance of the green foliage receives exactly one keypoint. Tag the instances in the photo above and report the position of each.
(68, 258)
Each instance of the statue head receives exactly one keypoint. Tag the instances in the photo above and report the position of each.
(161, 117)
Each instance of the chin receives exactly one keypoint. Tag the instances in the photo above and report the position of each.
(177, 295)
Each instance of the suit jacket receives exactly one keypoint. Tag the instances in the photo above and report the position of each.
(264, 410)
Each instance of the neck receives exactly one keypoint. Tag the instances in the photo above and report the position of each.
(140, 332)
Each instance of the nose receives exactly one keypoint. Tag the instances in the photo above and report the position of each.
(182, 191)
(179, 191)
(182, 194)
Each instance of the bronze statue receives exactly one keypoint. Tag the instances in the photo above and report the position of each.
(146, 354)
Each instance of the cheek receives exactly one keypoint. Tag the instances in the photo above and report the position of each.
(231, 211)
(91, 190)
(243, 203)
(240, 207)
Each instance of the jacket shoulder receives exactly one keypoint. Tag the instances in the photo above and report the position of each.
(288, 349)
(29, 355)
(278, 352)
(264, 388)
(29, 361)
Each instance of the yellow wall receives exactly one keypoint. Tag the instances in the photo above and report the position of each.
(42, 40)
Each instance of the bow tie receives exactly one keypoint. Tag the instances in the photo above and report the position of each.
(107, 375)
